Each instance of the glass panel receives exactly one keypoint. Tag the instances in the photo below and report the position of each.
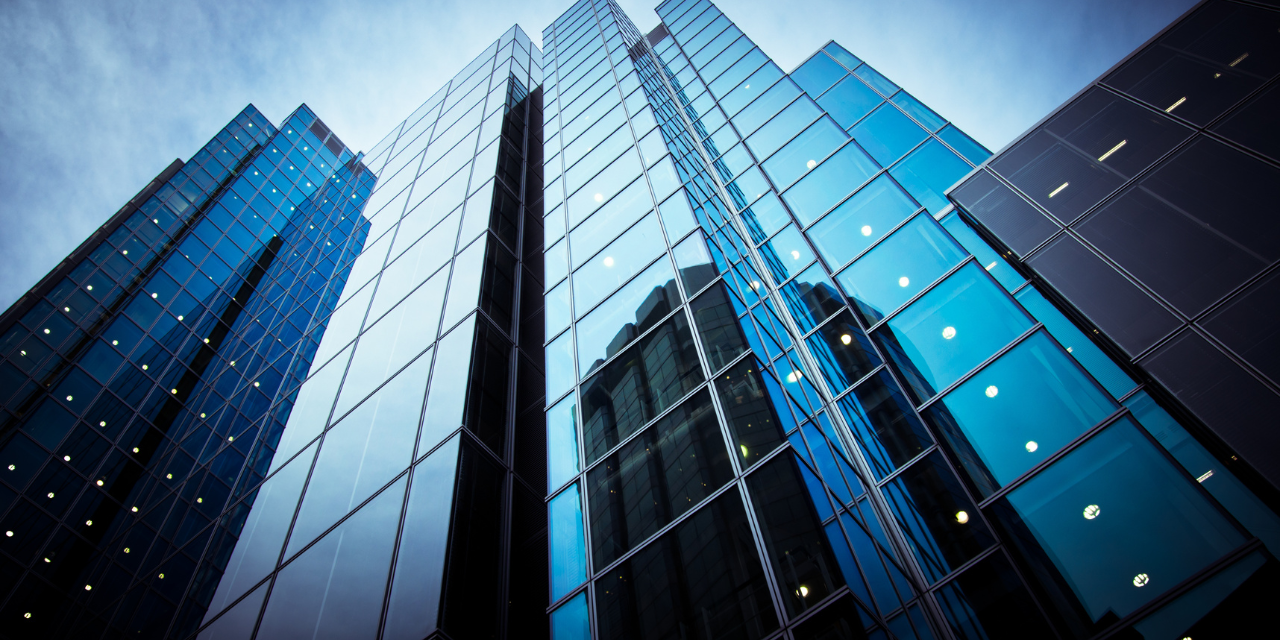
(811, 297)
(694, 262)
(756, 407)
(562, 442)
(704, 574)
(1013, 220)
(1097, 363)
(928, 172)
(786, 253)
(1085, 525)
(1233, 602)
(1018, 411)
(884, 424)
(899, 268)
(802, 559)
(986, 256)
(783, 127)
(1250, 125)
(914, 108)
(559, 359)
(887, 134)
(759, 84)
(614, 265)
(861, 220)
(804, 153)
(830, 182)
(612, 219)
(989, 601)
(558, 314)
(717, 320)
(654, 478)
(817, 74)
(636, 307)
(940, 521)
(873, 78)
(951, 329)
(972, 151)
(764, 217)
(849, 101)
(843, 352)
(640, 383)
(572, 621)
(568, 544)
(603, 187)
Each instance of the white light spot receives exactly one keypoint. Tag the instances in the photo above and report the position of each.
(949, 332)
(1141, 580)
(795, 255)
(599, 197)
(1092, 511)
(904, 281)
(811, 164)
(1032, 446)
(962, 517)
(866, 229)
(846, 338)
(608, 261)
(992, 391)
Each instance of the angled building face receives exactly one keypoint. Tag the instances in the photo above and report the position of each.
(640, 336)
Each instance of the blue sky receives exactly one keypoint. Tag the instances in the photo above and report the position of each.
(98, 97)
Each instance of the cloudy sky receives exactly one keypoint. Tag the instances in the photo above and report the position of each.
(96, 97)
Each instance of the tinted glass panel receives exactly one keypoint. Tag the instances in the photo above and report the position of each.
(830, 182)
(1013, 220)
(900, 267)
(756, 408)
(887, 134)
(988, 600)
(941, 522)
(568, 546)
(884, 424)
(928, 172)
(849, 101)
(843, 352)
(629, 312)
(817, 74)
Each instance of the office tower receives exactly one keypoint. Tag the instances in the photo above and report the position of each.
(792, 386)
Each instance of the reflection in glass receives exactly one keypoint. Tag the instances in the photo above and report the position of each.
(887, 134)
(900, 267)
(614, 265)
(572, 620)
(884, 424)
(928, 172)
(568, 546)
(562, 442)
(756, 408)
(843, 352)
(718, 327)
(830, 182)
(1098, 364)
(988, 601)
(628, 313)
(811, 297)
(940, 520)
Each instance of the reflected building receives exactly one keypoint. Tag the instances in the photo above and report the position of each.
(639, 336)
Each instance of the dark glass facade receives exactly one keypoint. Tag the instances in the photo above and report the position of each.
(640, 336)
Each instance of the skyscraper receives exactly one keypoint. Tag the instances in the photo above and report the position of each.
(639, 336)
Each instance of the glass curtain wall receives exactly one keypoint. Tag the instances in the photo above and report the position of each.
(873, 435)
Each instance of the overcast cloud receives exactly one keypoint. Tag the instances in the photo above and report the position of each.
(96, 97)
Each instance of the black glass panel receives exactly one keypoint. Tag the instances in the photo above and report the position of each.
(702, 580)
(940, 520)
(1247, 325)
(655, 478)
(756, 407)
(1253, 123)
(840, 620)
(1009, 217)
(988, 601)
(717, 320)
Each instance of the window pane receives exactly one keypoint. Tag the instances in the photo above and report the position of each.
(786, 253)
(843, 352)
(783, 127)
(694, 262)
(756, 408)
(568, 544)
(988, 600)
(623, 258)
(884, 424)
(1015, 222)
(817, 74)
(603, 187)
(830, 182)
(1099, 364)
(887, 134)
(964, 145)
(761, 110)
(562, 442)
(914, 108)
(900, 267)
(861, 220)
(849, 101)
(609, 221)
(636, 307)
(572, 621)
(804, 153)
(937, 516)
(928, 172)
(722, 338)
(811, 297)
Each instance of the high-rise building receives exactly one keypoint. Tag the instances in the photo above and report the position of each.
(905, 388)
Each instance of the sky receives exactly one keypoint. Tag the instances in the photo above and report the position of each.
(96, 97)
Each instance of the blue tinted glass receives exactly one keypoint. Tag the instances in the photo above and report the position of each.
(1018, 411)
(811, 297)
(623, 258)
(612, 219)
(562, 442)
(731, 56)
(676, 215)
(884, 424)
(843, 352)
(557, 263)
(749, 186)
(617, 321)
(873, 78)
(570, 621)
(761, 110)
(849, 101)
(1104, 370)
(887, 134)
(839, 53)
(560, 375)
(924, 115)
(830, 182)
(900, 267)
(819, 73)
(786, 254)
(751, 88)
(861, 220)
(804, 152)
(603, 187)
(1208, 470)
(971, 150)
(557, 312)
(937, 516)
(951, 329)
(1091, 515)
(765, 216)
(987, 257)
(568, 543)
(724, 83)
(782, 128)
(928, 172)
(694, 263)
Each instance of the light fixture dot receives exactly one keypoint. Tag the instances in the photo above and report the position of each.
(811, 164)
(962, 517)
(866, 229)
(904, 281)
(992, 391)
(846, 338)
(1092, 511)
(949, 332)
(1141, 580)
(599, 197)
(608, 261)
(1032, 446)
(66, 458)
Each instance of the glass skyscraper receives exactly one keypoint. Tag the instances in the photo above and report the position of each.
(457, 387)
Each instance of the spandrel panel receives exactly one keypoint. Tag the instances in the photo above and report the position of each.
(830, 182)
(362, 452)
(616, 263)
(614, 324)
(653, 479)
(335, 589)
(1018, 411)
(702, 572)
(1086, 521)
(643, 381)
(962, 321)
(897, 269)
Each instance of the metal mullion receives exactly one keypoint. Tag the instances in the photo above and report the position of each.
(970, 258)
(1013, 344)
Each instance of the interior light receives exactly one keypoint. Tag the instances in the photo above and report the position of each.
(67, 309)
(741, 446)
(12, 467)
(608, 261)
(1141, 580)
(803, 591)
(1175, 104)
(115, 343)
(866, 229)
(88, 523)
(992, 391)
(1112, 150)
(126, 549)
(1092, 511)
(125, 252)
(90, 287)
(949, 332)
(811, 164)
(27, 615)
(50, 495)
(99, 483)
(168, 476)
(154, 296)
(991, 266)
(66, 458)
(1239, 60)
(135, 449)
(846, 338)
(9, 534)
(102, 423)
(144, 367)
(135, 510)
(88, 587)
(46, 332)
(599, 197)
(201, 415)
(179, 318)
(255, 384)
(794, 376)
(904, 281)
(69, 398)
(1059, 189)
(962, 517)
(1208, 474)
(795, 255)
(1032, 446)
(746, 86)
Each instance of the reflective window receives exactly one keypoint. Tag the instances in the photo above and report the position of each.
(654, 478)
(572, 621)
(804, 153)
(830, 182)
(900, 267)
(940, 521)
(615, 217)
(1013, 220)
(1249, 125)
(963, 144)
(559, 361)
(786, 253)
(861, 220)
(843, 352)
(567, 541)
(988, 600)
(849, 101)
(985, 255)
(753, 87)
(761, 110)
(614, 265)
(928, 172)
(922, 114)
(718, 327)
(677, 216)
(873, 78)
(1098, 364)
(756, 407)
(811, 297)
(694, 262)
(557, 313)
(884, 424)
(636, 307)
(604, 186)
(765, 216)
(951, 329)
(817, 74)
(887, 134)
(1085, 523)
(562, 442)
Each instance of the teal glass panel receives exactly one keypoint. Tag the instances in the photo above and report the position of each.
(849, 101)
(568, 543)
(811, 297)
(783, 127)
(887, 134)
(873, 78)
(560, 374)
(987, 257)
(916, 109)
(804, 153)
(616, 263)
(928, 172)
(972, 151)
(818, 74)
(939, 519)
(562, 442)
(897, 269)
(830, 182)
(759, 111)
(572, 620)
(786, 254)
(765, 216)
(840, 54)
(1116, 524)
(1097, 363)
(1209, 608)
(1018, 411)
(950, 330)
(1210, 472)
(861, 220)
